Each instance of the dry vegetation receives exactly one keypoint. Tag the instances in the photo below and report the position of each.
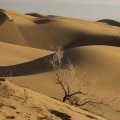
(16, 103)
(67, 80)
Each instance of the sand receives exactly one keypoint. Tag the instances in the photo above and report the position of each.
(110, 22)
(14, 54)
(28, 41)
(22, 103)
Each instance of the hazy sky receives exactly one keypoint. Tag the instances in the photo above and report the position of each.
(85, 9)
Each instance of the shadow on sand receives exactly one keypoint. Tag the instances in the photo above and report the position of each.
(42, 65)
(61, 115)
(42, 21)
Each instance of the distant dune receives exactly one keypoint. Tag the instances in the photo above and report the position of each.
(110, 22)
(35, 15)
(49, 32)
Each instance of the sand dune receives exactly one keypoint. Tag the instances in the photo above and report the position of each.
(110, 22)
(35, 15)
(13, 54)
(48, 32)
(21, 103)
(40, 65)
(93, 60)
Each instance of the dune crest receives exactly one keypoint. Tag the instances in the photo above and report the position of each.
(42, 33)
(110, 22)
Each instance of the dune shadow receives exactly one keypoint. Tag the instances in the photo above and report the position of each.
(51, 16)
(40, 15)
(42, 21)
(86, 40)
(91, 117)
(33, 67)
(42, 65)
(39, 65)
(110, 22)
(35, 15)
(61, 115)
(3, 17)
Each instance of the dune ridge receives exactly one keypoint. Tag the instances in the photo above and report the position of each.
(110, 22)
(53, 31)
(11, 54)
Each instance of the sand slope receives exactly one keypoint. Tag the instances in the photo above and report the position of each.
(10, 32)
(21, 103)
(95, 61)
(14, 54)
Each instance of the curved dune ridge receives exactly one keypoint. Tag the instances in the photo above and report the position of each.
(92, 56)
(110, 22)
(26, 42)
(35, 15)
(48, 32)
(14, 54)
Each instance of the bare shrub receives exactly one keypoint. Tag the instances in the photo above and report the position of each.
(66, 79)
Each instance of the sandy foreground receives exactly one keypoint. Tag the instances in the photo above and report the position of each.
(21, 103)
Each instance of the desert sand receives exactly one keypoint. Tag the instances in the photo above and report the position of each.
(27, 41)
(21, 103)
